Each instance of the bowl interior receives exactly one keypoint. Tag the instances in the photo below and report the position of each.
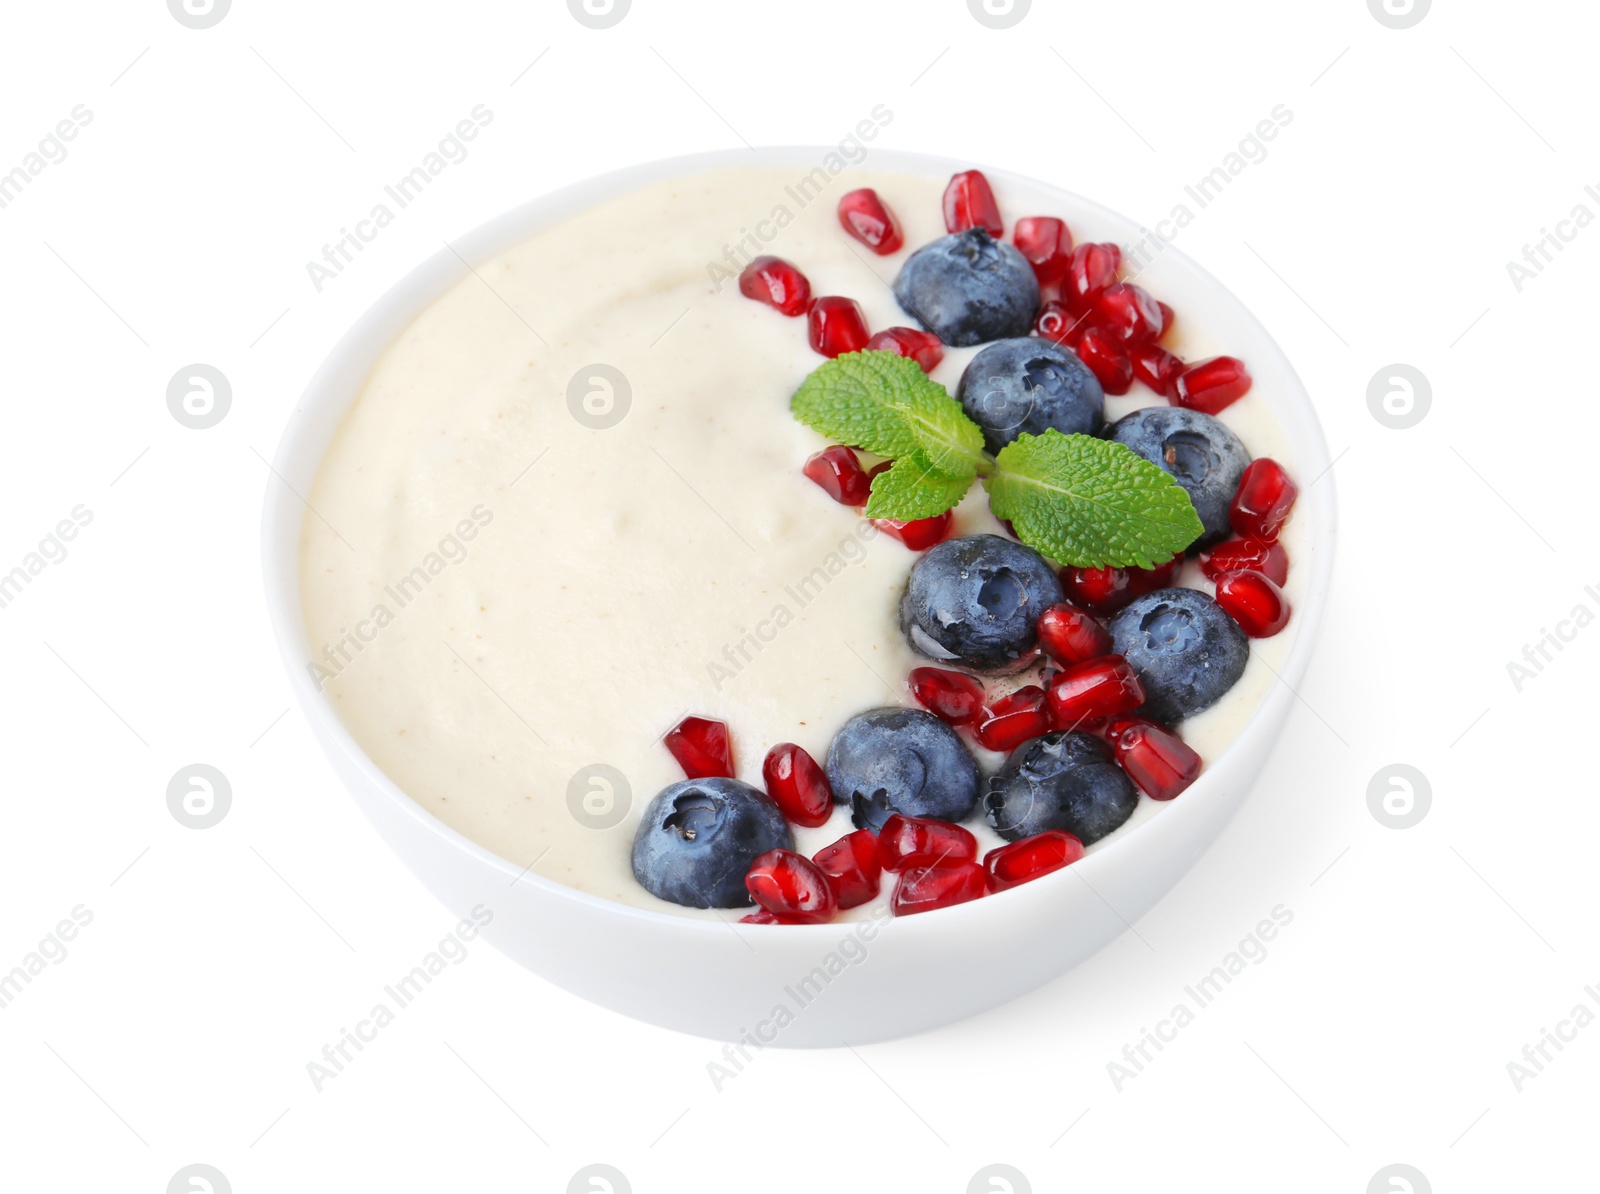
(1164, 268)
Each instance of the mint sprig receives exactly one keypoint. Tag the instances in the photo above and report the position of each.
(886, 404)
(912, 488)
(1090, 502)
(1079, 500)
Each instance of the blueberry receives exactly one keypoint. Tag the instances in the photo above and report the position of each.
(904, 761)
(977, 601)
(1060, 781)
(968, 287)
(1200, 452)
(698, 838)
(1029, 384)
(1186, 650)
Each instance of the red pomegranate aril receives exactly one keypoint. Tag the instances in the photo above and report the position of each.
(1155, 367)
(852, 866)
(1168, 317)
(918, 534)
(1237, 555)
(1092, 268)
(701, 747)
(837, 325)
(1099, 590)
(906, 842)
(1107, 359)
(1211, 386)
(1148, 580)
(1263, 501)
(840, 475)
(773, 281)
(1129, 313)
(955, 698)
(1096, 727)
(1055, 322)
(1101, 687)
(762, 917)
(867, 217)
(1253, 601)
(1047, 244)
(1156, 759)
(791, 885)
(1017, 862)
(1069, 635)
(926, 888)
(924, 348)
(969, 203)
(797, 785)
(1015, 718)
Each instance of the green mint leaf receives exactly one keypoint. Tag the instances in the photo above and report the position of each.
(912, 488)
(886, 404)
(1090, 502)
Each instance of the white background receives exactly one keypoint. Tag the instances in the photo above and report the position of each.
(218, 963)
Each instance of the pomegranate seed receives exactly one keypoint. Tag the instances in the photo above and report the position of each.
(1168, 317)
(1100, 590)
(1047, 244)
(926, 888)
(1092, 268)
(1211, 386)
(1262, 503)
(797, 785)
(1238, 555)
(701, 747)
(1055, 322)
(1017, 862)
(852, 866)
(1095, 727)
(1129, 313)
(1148, 580)
(918, 534)
(1155, 758)
(840, 475)
(773, 281)
(955, 698)
(867, 218)
(1101, 687)
(762, 917)
(1107, 360)
(1070, 635)
(1155, 366)
(924, 348)
(906, 842)
(1015, 718)
(791, 885)
(969, 203)
(837, 325)
(1253, 601)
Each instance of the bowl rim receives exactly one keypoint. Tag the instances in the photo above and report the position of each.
(338, 381)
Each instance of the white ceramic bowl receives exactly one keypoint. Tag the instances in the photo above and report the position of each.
(799, 985)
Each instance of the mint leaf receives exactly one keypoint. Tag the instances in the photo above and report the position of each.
(1090, 502)
(885, 403)
(913, 488)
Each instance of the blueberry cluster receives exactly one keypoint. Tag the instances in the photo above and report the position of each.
(974, 604)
